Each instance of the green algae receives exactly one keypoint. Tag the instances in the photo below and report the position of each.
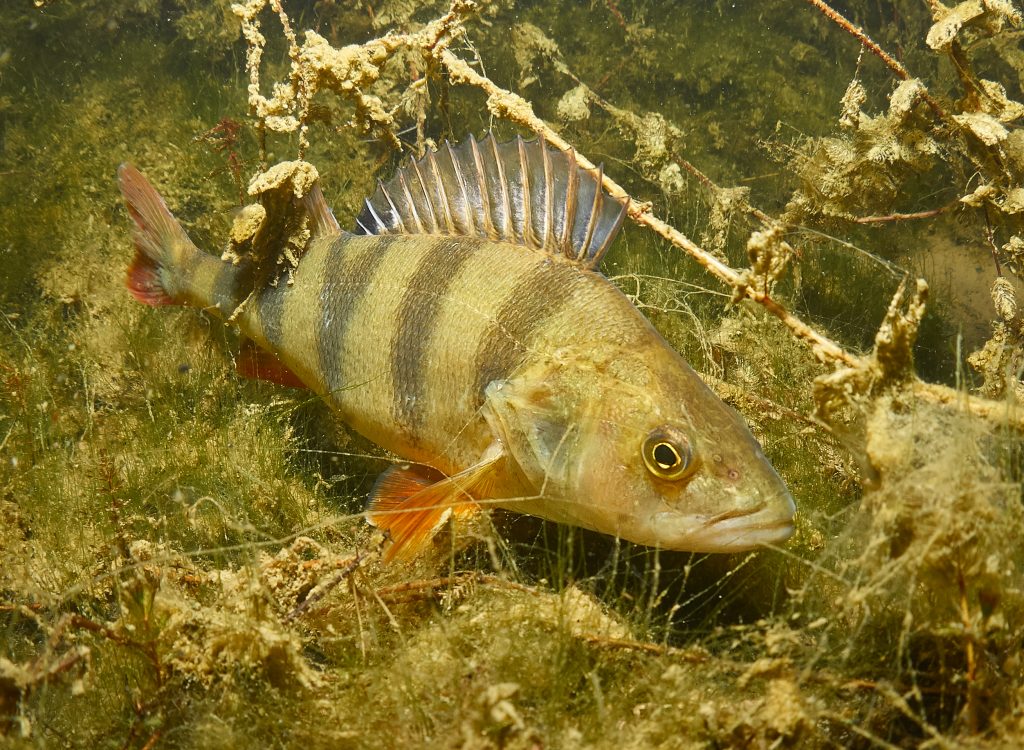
(182, 560)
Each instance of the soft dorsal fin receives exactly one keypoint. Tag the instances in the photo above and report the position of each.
(320, 215)
(523, 192)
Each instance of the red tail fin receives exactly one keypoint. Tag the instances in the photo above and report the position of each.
(143, 281)
(159, 239)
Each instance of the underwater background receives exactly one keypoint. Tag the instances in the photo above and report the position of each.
(183, 558)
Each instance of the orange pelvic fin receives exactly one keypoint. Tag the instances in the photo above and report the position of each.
(258, 364)
(412, 501)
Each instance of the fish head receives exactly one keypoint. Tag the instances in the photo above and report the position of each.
(639, 447)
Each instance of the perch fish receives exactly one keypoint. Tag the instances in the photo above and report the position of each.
(465, 327)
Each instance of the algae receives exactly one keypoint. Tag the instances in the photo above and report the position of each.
(183, 562)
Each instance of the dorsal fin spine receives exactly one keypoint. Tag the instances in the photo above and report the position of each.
(320, 215)
(381, 226)
(470, 224)
(599, 252)
(570, 211)
(442, 194)
(529, 237)
(485, 199)
(420, 229)
(594, 209)
(434, 226)
(549, 195)
(394, 209)
(506, 199)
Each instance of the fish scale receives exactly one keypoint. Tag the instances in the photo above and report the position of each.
(466, 329)
(390, 334)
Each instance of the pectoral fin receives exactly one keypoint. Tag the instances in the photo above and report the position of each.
(535, 426)
(412, 501)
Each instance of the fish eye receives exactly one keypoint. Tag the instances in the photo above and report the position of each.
(667, 453)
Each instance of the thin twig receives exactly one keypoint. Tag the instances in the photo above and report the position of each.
(508, 105)
(894, 65)
(153, 739)
(905, 217)
(347, 570)
(970, 709)
(707, 182)
(990, 236)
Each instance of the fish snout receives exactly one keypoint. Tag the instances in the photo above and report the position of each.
(764, 522)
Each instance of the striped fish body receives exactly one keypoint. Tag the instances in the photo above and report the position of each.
(402, 335)
(506, 369)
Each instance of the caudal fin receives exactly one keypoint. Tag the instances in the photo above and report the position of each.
(161, 245)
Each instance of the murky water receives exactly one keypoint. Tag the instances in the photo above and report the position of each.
(162, 522)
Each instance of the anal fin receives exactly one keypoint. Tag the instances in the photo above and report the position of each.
(258, 364)
(411, 502)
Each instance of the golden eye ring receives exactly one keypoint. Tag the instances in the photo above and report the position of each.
(667, 454)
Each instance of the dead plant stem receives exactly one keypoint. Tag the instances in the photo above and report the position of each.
(892, 63)
(906, 217)
(971, 707)
(505, 104)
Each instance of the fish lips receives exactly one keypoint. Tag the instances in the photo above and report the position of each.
(767, 524)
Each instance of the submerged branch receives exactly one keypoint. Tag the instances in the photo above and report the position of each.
(892, 63)
(905, 217)
(349, 72)
(506, 104)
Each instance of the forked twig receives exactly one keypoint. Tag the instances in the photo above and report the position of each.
(905, 217)
(892, 63)
(347, 570)
(319, 69)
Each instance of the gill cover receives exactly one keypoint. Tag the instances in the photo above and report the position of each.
(539, 430)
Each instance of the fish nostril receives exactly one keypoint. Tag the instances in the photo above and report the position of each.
(733, 474)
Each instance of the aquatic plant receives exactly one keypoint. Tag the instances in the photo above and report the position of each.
(182, 556)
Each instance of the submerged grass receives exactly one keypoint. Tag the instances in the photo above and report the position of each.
(182, 560)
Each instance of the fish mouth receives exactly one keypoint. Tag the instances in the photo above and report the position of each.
(766, 524)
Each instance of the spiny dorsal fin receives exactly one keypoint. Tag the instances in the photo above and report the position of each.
(523, 192)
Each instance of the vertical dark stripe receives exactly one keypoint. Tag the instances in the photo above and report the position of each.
(540, 295)
(231, 286)
(272, 312)
(346, 280)
(422, 303)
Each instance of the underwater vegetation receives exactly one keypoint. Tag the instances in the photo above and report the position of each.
(826, 219)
